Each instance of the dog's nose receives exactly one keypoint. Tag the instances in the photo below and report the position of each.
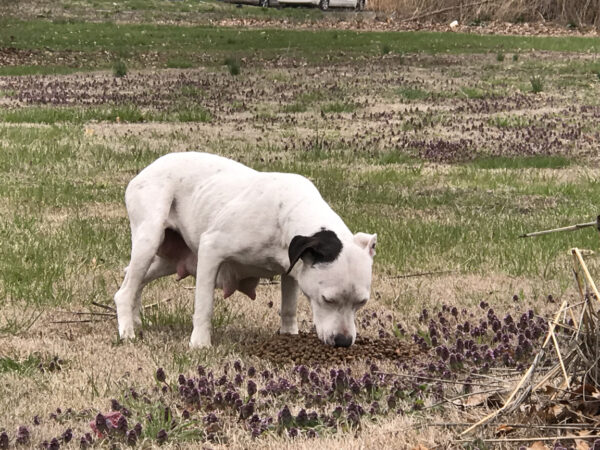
(342, 341)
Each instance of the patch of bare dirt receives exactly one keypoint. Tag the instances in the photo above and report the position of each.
(307, 348)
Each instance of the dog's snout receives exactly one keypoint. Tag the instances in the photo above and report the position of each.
(341, 340)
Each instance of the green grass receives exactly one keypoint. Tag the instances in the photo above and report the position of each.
(129, 40)
(510, 121)
(179, 63)
(413, 93)
(47, 69)
(119, 69)
(338, 107)
(305, 101)
(182, 112)
(474, 93)
(22, 367)
(523, 162)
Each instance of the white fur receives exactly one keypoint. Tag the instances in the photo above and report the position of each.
(239, 223)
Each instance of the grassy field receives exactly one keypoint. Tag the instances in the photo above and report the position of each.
(448, 146)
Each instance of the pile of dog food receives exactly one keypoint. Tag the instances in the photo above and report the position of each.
(307, 348)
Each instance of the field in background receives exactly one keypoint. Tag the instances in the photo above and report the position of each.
(447, 145)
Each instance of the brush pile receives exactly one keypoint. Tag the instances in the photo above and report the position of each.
(561, 388)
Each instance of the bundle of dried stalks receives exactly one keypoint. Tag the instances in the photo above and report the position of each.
(579, 12)
(576, 372)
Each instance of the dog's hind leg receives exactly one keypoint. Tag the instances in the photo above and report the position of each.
(159, 267)
(145, 241)
(289, 304)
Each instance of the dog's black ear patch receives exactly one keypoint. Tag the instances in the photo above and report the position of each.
(323, 246)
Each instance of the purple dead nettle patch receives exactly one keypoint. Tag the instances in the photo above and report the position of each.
(459, 343)
(480, 343)
(331, 398)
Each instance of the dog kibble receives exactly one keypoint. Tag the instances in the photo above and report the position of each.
(306, 348)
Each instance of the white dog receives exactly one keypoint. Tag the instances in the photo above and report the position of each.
(229, 225)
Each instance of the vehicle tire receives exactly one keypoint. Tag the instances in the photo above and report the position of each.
(264, 3)
(360, 5)
(324, 5)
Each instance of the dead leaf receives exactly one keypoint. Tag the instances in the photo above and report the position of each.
(580, 444)
(538, 445)
(503, 430)
(494, 400)
(420, 447)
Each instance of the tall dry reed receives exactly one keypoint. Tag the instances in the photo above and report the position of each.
(577, 12)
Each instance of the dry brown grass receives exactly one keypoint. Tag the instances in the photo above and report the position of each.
(580, 12)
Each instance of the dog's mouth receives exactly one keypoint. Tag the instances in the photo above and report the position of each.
(336, 340)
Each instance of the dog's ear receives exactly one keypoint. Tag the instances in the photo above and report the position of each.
(366, 241)
(323, 246)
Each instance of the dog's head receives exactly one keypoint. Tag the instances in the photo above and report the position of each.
(336, 278)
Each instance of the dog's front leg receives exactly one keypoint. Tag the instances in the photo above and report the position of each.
(289, 303)
(209, 261)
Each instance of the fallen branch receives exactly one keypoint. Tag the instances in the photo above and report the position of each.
(77, 321)
(529, 439)
(152, 305)
(440, 380)
(83, 313)
(458, 397)
(422, 274)
(100, 305)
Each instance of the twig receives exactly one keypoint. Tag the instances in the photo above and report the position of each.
(421, 274)
(83, 313)
(441, 380)
(566, 426)
(77, 321)
(458, 397)
(560, 360)
(439, 11)
(100, 305)
(588, 277)
(152, 305)
(531, 439)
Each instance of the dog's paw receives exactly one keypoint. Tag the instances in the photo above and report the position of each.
(200, 339)
(292, 329)
(126, 331)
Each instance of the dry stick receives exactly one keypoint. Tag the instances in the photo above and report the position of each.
(552, 372)
(100, 305)
(560, 360)
(587, 273)
(152, 305)
(532, 439)
(494, 379)
(81, 313)
(525, 378)
(422, 274)
(439, 11)
(577, 254)
(431, 379)
(583, 317)
(77, 321)
(458, 397)
(566, 426)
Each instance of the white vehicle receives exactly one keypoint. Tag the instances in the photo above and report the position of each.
(359, 5)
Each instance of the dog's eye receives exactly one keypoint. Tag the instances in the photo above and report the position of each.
(327, 300)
